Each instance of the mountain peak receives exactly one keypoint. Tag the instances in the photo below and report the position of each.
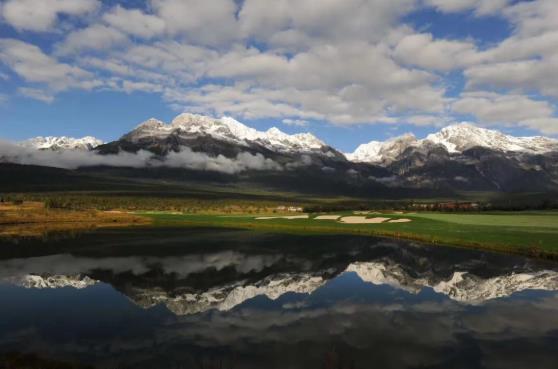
(225, 129)
(460, 137)
(189, 119)
(149, 125)
(61, 143)
(382, 151)
(455, 139)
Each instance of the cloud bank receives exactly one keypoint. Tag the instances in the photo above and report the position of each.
(186, 158)
(340, 61)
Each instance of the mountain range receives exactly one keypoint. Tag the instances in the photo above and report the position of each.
(62, 143)
(458, 285)
(458, 157)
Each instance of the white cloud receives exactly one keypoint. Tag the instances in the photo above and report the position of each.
(354, 81)
(524, 61)
(341, 61)
(95, 37)
(534, 17)
(347, 83)
(424, 51)
(481, 7)
(342, 69)
(332, 20)
(510, 109)
(131, 86)
(547, 125)
(134, 22)
(36, 94)
(200, 21)
(525, 75)
(295, 122)
(427, 120)
(41, 15)
(492, 107)
(180, 62)
(186, 158)
(30, 63)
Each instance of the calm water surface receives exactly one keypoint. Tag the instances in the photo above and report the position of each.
(235, 299)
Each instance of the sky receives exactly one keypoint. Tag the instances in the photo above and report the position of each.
(349, 71)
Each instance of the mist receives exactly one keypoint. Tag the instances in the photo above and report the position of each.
(186, 158)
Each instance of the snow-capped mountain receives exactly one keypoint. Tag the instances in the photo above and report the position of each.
(458, 157)
(62, 143)
(466, 157)
(225, 129)
(455, 139)
(463, 136)
(225, 298)
(52, 281)
(378, 151)
(461, 286)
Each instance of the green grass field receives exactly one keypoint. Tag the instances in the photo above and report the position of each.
(529, 233)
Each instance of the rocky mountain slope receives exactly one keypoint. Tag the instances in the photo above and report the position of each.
(224, 136)
(466, 157)
(455, 139)
(225, 129)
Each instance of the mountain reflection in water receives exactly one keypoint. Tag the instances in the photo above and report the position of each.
(236, 299)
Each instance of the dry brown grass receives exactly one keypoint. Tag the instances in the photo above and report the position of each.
(30, 219)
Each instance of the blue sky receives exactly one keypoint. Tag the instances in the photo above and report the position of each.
(349, 71)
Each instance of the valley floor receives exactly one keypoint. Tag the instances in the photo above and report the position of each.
(529, 233)
(533, 233)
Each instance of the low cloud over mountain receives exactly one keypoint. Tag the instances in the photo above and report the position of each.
(185, 158)
(458, 157)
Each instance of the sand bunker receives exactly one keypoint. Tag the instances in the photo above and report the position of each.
(285, 217)
(363, 220)
(403, 220)
(327, 217)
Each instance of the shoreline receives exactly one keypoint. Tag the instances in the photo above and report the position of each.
(432, 239)
(33, 219)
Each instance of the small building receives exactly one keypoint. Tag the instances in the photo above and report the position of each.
(291, 209)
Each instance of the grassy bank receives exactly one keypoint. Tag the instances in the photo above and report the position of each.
(34, 219)
(528, 233)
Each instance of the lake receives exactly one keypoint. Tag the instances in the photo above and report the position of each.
(216, 298)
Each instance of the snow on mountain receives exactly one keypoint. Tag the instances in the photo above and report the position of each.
(462, 286)
(227, 297)
(377, 151)
(226, 129)
(463, 136)
(456, 139)
(52, 281)
(62, 143)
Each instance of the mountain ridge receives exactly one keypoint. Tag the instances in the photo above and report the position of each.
(456, 139)
(460, 286)
(458, 157)
(85, 143)
(226, 129)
